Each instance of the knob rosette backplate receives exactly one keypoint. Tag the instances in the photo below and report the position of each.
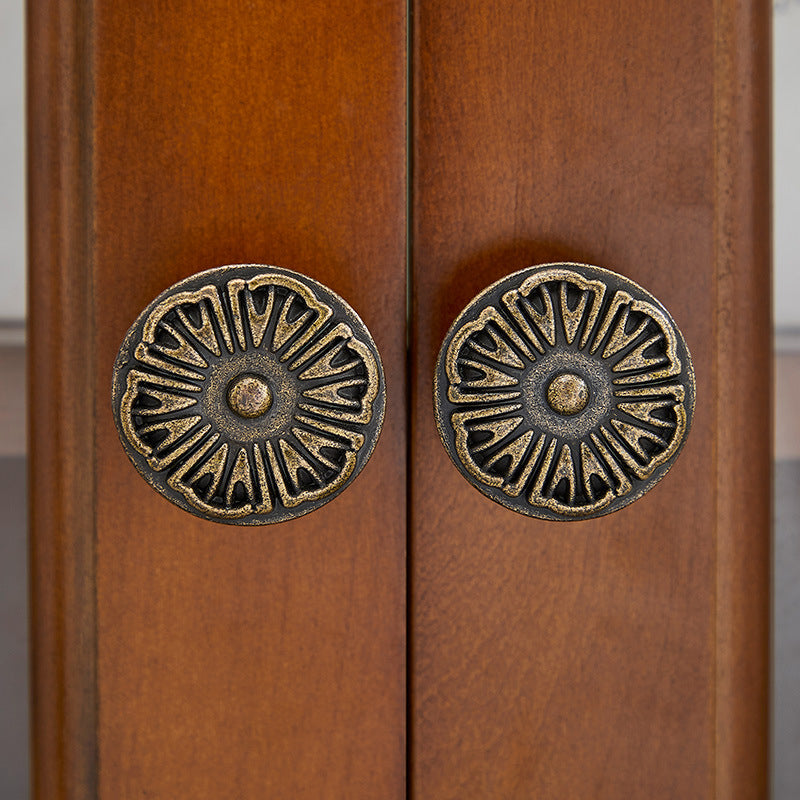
(248, 394)
(564, 391)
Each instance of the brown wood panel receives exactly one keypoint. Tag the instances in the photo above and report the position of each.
(61, 418)
(230, 662)
(744, 394)
(624, 656)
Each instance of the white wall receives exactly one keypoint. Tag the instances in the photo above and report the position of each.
(12, 167)
(786, 170)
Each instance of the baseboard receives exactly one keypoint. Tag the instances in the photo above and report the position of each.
(786, 339)
(12, 333)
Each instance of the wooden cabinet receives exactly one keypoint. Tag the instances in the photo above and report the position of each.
(619, 657)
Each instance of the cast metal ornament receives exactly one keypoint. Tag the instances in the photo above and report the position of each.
(248, 394)
(564, 391)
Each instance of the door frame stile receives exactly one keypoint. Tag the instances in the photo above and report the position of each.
(61, 395)
(742, 461)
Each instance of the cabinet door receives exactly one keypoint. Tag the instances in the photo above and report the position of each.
(624, 656)
(175, 657)
(620, 657)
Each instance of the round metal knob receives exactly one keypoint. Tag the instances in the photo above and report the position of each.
(564, 391)
(248, 394)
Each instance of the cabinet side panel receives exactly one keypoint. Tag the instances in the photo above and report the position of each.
(743, 239)
(60, 396)
(231, 662)
(602, 658)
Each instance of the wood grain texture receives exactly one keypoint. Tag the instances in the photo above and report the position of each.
(744, 394)
(230, 662)
(61, 386)
(625, 656)
(620, 657)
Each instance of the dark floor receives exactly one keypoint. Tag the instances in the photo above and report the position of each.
(786, 636)
(13, 631)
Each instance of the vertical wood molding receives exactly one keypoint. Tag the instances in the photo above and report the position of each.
(61, 386)
(744, 393)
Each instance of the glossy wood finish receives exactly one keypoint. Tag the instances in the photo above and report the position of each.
(177, 657)
(624, 656)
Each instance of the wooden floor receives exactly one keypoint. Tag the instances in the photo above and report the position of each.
(13, 585)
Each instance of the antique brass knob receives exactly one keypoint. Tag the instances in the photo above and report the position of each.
(564, 391)
(248, 394)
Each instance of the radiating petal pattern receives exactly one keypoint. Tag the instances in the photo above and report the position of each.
(321, 382)
(564, 391)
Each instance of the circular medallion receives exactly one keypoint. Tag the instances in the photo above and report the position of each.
(564, 391)
(248, 394)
